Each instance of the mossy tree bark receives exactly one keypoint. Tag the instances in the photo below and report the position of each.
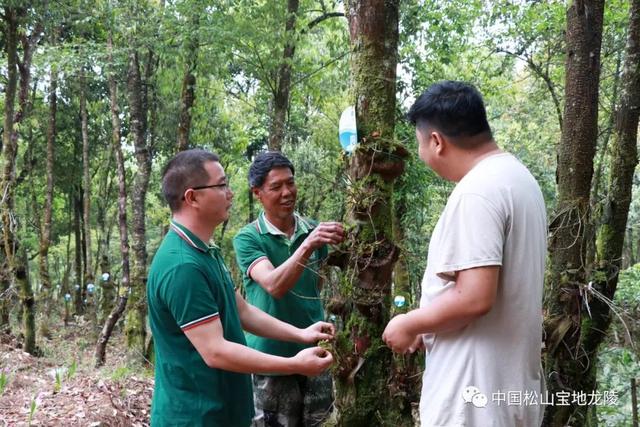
(624, 159)
(364, 376)
(568, 321)
(18, 78)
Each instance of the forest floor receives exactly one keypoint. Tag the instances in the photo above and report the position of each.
(62, 387)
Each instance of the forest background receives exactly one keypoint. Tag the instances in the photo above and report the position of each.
(98, 95)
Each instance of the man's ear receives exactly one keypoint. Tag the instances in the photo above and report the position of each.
(256, 192)
(439, 141)
(189, 197)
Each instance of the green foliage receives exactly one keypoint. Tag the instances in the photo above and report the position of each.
(4, 380)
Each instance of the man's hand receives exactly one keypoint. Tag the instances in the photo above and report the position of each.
(312, 361)
(398, 336)
(317, 332)
(325, 233)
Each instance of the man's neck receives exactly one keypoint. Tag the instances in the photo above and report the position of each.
(287, 225)
(202, 231)
(469, 159)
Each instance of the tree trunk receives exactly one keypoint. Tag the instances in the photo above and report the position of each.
(187, 96)
(16, 263)
(11, 47)
(366, 386)
(78, 297)
(136, 314)
(567, 319)
(624, 159)
(125, 287)
(45, 238)
(86, 179)
(283, 83)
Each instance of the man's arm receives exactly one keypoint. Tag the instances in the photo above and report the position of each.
(217, 352)
(260, 323)
(277, 281)
(472, 296)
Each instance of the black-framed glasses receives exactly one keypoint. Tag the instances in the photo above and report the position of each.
(202, 187)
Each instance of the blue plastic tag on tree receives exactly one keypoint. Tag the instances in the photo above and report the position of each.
(399, 301)
(91, 287)
(347, 130)
(105, 277)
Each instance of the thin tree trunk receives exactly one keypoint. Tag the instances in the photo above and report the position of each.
(78, 295)
(45, 238)
(101, 346)
(136, 315)
(366, 387)
(567, 319)
(187, 95)
(283, 83)
(86, 179)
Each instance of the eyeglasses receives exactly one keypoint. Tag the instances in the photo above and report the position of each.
(224, 186)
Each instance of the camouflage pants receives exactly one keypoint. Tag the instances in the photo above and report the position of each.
(292, 400)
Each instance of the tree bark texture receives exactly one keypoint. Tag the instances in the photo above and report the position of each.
(17, 71)
(125, 287)
(188, 92)
(136, 315)
(86, 179)
(45, 238)
(368, 391)
(567, 318)
(283, 82)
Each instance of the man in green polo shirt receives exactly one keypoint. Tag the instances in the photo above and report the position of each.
(197, 317)
(279, 255)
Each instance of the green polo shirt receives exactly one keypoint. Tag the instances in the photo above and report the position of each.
(189, 285)
(301, 306)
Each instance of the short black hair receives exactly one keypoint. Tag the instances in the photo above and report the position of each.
(262, 165)
(454, 108)
(185, 170)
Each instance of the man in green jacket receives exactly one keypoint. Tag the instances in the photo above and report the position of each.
(197, 317)
(279, 255)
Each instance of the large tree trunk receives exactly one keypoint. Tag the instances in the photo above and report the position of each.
(15, 260)
(45, 238)
(624, 158)
(11, 47)
(86, 180)
(367, 391)
(188, 93)
(136, 314)
(283, 82)
(101, 346)
(567, 319)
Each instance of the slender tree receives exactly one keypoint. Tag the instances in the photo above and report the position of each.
(86, 179)
(45, 237)
(118, 310)
(566, 300)
(188, 92)
(136, 315)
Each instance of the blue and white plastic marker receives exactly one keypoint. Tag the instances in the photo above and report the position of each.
(347, 130)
